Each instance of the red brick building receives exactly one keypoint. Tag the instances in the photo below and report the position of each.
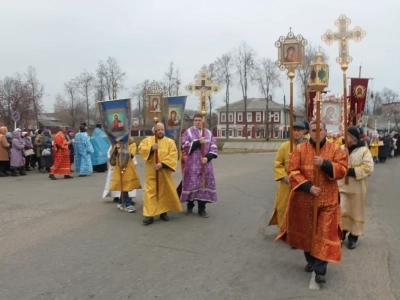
(278, 119)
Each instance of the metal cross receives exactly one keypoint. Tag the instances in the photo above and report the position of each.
(343, 36)
(203, 87)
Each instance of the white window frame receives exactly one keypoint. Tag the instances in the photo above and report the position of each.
(240, 117)
(223, 117)
(230, 117)
(230, 132)
(249, 133)
(222, 132)
(239, 132)
(276, 116)
(276, 133)
(269, 116)
(258, 117)
(249, 114)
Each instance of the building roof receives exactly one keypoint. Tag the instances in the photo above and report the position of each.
(255, 104)
(49, 123)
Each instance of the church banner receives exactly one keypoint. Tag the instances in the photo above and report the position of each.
(174, 120)
(358, 96)
(116, 119)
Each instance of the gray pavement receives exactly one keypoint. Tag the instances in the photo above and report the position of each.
(61, 240)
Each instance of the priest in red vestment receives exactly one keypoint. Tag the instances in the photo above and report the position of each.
(297, 226)
(61, 154)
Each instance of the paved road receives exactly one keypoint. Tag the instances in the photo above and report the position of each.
(61, 240)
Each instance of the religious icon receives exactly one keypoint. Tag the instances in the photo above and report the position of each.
(116, 121)
(291, 54)
(174, 117)
(331, 116)
(154, 104)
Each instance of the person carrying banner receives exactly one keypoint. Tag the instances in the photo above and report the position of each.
(281, 173)
(158, 200)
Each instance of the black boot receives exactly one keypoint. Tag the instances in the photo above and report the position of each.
(344, 235)
(14, 172)
(202, 209)
(52, 177)
(352, 241)
(164, 217)
(320, 278)
(189, 210)
(22, 172)
(68, 177)
(148, 221)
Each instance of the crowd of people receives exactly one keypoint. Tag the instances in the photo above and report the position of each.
(22, 151)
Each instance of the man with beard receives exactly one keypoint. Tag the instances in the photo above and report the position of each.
(354, 194)
(159, 201)
(281, 173)
(297, 229)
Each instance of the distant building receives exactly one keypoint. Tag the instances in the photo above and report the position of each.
(278, 118)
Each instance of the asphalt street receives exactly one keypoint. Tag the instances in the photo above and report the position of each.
(61, 240)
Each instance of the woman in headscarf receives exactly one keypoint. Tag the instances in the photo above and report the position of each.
(28, 150)
(17, 157)
(46, 151)
(4, 152)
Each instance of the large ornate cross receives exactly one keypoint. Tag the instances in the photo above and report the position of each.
(203, 87)
(343, 36)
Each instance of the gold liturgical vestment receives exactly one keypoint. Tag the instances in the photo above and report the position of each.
(353, 195)
(167, 199)
(297, 228)
(281, 164)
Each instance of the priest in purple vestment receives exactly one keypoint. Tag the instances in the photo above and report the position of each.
(192, 189)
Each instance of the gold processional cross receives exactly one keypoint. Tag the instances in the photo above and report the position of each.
(343, 36)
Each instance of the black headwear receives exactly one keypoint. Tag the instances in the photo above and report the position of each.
(353, 132)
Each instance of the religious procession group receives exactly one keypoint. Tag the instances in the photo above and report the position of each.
(23, 151)
(161, 157)
(320, 200)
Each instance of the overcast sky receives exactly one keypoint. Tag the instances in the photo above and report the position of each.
(61, 38)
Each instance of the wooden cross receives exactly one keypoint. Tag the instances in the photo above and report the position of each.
(203, 87)
(343, 36)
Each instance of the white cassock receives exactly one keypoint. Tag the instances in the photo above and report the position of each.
(114, 194)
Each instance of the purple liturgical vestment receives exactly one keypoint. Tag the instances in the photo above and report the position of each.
(192, 179)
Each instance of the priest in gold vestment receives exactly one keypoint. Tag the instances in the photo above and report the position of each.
(354, 194)
(281, 174)
(297, 228)
(167, 198)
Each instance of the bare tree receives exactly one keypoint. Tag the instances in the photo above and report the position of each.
(267, 77)
(36, 89)
(245, 62)
(310, 55)
(74, 103)
(15, 96)
(101, 82)
(86, 82)
(224, 76)
(390, 96)
(112, 74)
(172, 80)
(139, 92)
(376, 102)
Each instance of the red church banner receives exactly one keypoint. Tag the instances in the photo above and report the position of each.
(358, 96)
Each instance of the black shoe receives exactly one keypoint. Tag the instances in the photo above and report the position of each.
(82, 175)
(68, 177)
(164, 217)
(351, 245)
(148, 221)
(203, 214)
(308, 268)
(133, 202)
(14, 174)
(294, 248)
(116, 199)
(189, 211)
(52, 177)
(320, 278)
(3, 175)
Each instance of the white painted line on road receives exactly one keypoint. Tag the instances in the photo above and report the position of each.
(313, 285)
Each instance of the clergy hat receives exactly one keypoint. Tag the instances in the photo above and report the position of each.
(98, 125)
(300, 125)
(83, 124)
(354, 133)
